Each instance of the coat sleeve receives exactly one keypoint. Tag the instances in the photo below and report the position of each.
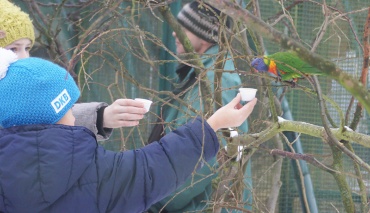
(139, 178)
(86, 115)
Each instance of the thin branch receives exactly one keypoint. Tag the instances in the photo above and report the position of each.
(326, 66)
(308, 158)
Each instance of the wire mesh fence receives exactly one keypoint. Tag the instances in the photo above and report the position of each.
(341, 45)
(125, 58)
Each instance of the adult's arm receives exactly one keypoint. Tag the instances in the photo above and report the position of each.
(90, 115)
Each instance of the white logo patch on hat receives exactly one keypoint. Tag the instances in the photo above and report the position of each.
(61, 101)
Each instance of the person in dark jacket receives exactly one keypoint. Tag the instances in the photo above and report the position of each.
(50, 165)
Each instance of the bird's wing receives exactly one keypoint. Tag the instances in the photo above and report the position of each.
(289, 62)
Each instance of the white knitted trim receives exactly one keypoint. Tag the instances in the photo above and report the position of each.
(6, 58)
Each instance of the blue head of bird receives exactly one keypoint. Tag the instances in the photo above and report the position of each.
(259, 65)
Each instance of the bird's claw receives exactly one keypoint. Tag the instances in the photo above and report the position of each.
(278, 79)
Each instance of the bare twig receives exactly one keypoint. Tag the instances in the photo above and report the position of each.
(327, 67)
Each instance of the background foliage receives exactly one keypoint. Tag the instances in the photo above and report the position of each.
(124, 49)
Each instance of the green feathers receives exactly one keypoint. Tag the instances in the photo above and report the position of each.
(286, 65)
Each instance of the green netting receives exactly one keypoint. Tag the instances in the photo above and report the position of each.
(340, 46)
(130, 56)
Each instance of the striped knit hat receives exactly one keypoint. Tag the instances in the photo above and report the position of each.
(201, 19)
(14, 24)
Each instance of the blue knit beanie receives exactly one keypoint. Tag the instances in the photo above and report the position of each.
(35, 91)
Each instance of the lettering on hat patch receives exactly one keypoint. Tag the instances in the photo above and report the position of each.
(61, 101)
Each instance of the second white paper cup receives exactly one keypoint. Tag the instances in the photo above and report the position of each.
(247, 93)
(146, 102)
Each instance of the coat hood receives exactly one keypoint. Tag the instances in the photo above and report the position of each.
(42, 162)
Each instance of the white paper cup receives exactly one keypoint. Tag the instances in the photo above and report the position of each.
(146, 102)
(247, 93)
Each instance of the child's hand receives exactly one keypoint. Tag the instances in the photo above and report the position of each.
(231, 115)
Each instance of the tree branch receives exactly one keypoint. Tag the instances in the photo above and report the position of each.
(326, 66)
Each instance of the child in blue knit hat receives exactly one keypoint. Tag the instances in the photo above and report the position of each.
(50, 165)
(17, 34)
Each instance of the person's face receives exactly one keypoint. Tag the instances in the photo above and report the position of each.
(21, 47)
(68, 119)
(196, 42)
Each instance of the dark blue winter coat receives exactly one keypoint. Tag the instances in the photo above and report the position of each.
(57, 168)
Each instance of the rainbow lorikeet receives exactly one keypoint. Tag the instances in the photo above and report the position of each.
(287, 66)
